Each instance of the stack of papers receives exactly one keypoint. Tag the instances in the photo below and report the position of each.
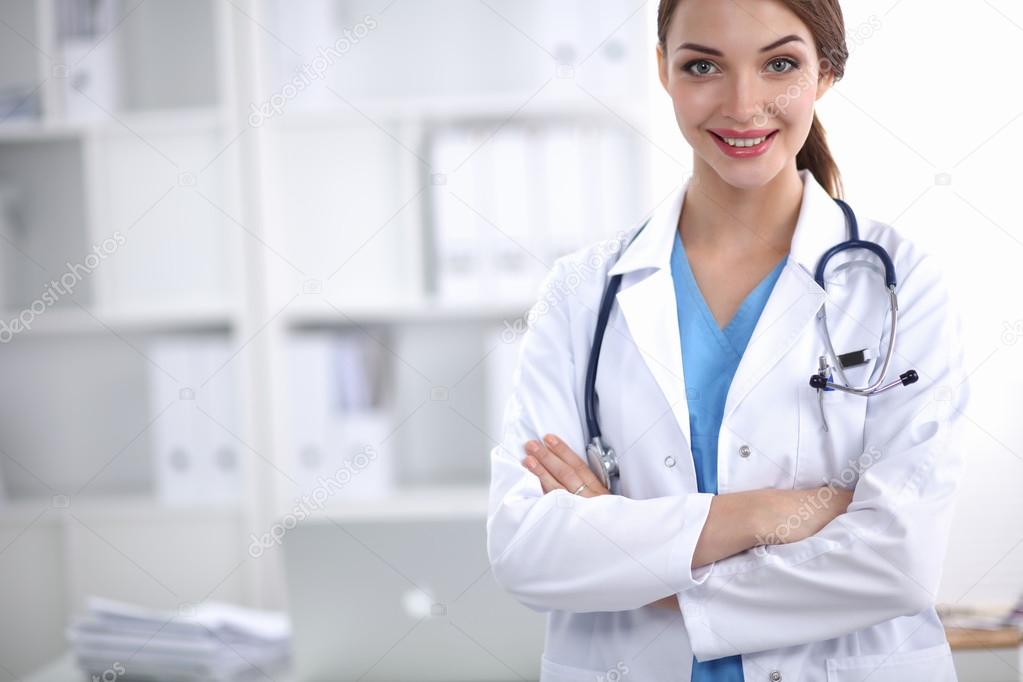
(217, 642)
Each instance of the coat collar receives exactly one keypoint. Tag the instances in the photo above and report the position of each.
(647, 302)
(821, 224)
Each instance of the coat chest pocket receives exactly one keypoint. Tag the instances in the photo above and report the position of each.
(933, 664)
(856, 319)
(835, 455)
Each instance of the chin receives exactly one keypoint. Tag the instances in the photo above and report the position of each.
(746, 174)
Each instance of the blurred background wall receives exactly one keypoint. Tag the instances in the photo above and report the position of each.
(244, 243)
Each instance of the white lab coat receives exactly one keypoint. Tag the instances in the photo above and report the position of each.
(855, 599)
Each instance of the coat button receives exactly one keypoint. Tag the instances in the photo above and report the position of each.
(775, 676)
(744, 451)
(669, 461)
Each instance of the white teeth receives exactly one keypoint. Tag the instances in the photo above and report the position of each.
(745, 142)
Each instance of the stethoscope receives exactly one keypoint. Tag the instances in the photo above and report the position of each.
(602, 459)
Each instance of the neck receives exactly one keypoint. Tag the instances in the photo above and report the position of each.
(721, 218)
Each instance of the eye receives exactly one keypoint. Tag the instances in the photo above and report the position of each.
(702, 67)
(779, 65)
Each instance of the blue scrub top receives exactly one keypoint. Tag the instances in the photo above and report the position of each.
(710, 356)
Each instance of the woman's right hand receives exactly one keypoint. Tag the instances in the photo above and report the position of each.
(791, 515)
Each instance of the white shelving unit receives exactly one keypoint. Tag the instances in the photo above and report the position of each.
(109, 199)
(93, 204)
(261, 231)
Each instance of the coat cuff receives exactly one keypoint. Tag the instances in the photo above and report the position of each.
(706, 645)
(680, 558)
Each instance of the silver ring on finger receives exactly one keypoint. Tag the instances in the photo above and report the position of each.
(577, 490)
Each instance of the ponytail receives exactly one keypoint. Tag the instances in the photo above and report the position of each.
(816, 156)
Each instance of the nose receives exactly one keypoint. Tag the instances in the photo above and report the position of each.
(742, 99)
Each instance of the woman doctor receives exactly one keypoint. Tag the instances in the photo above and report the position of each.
(743, 540)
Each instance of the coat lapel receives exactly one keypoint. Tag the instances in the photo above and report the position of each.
(649, 310)
(647, 301)
(792, 306)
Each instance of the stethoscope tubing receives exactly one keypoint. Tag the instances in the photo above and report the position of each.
(604, 461)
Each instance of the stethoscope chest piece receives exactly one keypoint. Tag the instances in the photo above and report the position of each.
(602, 461)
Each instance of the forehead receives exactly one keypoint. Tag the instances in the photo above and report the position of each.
(734, 25)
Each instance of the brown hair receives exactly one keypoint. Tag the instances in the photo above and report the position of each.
(824, 19)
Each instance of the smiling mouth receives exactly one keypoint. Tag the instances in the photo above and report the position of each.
(742, 142)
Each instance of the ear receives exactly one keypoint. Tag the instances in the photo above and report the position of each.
(824, 84)
(662, 67)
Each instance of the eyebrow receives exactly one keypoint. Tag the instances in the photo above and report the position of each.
(719, 53)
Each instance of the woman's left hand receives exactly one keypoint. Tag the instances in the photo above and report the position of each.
(558, 466)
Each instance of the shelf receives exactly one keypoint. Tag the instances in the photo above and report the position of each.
(74, 321)
(120, 508)
(161, 121)
(411, 503)
(422, 311)
(142, 123)
(35, 130)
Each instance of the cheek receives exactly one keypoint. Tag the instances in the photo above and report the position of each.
(795, 102)
(692, 105)
(795, 114)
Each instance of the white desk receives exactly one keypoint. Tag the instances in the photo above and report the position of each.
(65, 670)
(979, 657)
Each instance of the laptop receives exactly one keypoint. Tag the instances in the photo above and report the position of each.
(403, 599)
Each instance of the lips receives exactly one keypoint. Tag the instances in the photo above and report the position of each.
(742, 147)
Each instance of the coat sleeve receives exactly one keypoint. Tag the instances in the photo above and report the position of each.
(883, 557)
(558, 551)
